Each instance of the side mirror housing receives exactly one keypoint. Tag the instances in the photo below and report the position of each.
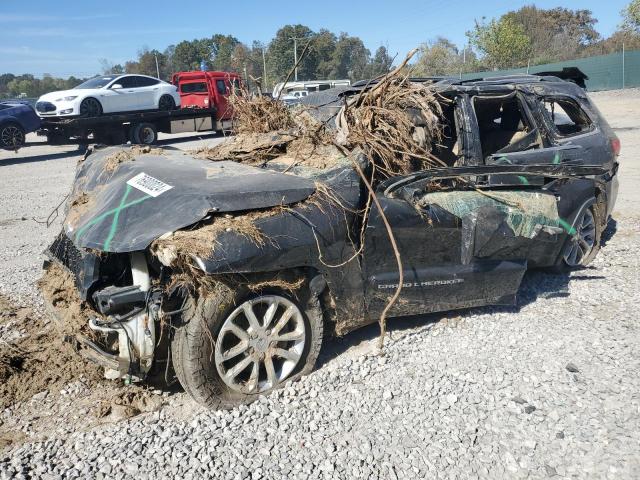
(116, 86)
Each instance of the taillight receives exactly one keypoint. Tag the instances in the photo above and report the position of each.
(615, 145)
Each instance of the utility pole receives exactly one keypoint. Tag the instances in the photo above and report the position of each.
(155, 55)
(295, 54)
(623, 65)
(264, 69)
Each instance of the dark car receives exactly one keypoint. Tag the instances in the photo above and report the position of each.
(16, 120)
(231, 274)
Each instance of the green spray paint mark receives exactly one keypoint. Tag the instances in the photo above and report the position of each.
(116, 216)
(556, 158)
(567, 226)
(122, 206)
(523, 179)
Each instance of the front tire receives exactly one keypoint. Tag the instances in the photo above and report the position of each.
(12, 136)
(236, 345)
(90, 107)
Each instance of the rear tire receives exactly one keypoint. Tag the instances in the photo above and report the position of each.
(12, 136)
(584, 245)
(166, 103)
(199, 363)
(90, 107)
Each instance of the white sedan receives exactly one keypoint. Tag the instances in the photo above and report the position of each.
(110, 94)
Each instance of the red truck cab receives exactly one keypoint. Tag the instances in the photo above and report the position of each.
(207, 90)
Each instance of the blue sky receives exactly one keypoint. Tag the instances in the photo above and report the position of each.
(68, 37)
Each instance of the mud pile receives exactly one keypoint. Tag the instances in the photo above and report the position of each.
(40, 359)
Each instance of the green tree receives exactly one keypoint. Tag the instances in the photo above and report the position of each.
(280, 59)
(380, 64)
(439, 57)
(222, 48)
(442, 57)
(350, 58)
(503, 42)
(109, 68)
(323, 48)
(631, 16)
(555, 34)
(187, 55)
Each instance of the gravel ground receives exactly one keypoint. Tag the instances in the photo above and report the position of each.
(550, 388)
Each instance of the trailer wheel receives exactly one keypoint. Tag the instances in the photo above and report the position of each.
(90, 107)
(145, 134)
(11, 136)
(166, 103)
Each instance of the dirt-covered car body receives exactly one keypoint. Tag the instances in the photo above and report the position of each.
(530, 155)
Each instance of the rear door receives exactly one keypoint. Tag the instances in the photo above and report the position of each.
(442, 267)
(570, 127)
(510, 132)
(147, 92)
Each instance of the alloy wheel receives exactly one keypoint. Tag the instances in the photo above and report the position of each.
(12, 136)
(166, 103)
(583, 240)
(90, 108)
(260, 344)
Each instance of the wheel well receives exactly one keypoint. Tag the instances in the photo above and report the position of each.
(92, 98)
(11, 121)
(601, 204)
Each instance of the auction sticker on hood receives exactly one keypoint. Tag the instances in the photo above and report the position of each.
(149, 185)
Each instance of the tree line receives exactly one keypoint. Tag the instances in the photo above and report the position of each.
(527, 36)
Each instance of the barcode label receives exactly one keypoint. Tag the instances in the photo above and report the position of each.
(149, 185)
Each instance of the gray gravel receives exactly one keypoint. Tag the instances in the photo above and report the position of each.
(550, 388)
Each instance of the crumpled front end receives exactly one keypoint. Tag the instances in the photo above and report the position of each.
(142, 223)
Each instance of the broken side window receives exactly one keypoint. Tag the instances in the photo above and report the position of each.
(503, 125)
(567, 116)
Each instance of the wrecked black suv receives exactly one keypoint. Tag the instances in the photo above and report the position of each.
(231, 272)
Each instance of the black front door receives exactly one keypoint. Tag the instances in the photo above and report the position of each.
(440, 269)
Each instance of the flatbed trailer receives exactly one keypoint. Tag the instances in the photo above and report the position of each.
(136, 127)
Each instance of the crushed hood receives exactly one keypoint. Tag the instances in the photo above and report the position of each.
(125, 197)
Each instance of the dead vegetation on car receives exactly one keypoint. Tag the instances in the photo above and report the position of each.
(394, 122)
(121, 156)
(176, 248)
